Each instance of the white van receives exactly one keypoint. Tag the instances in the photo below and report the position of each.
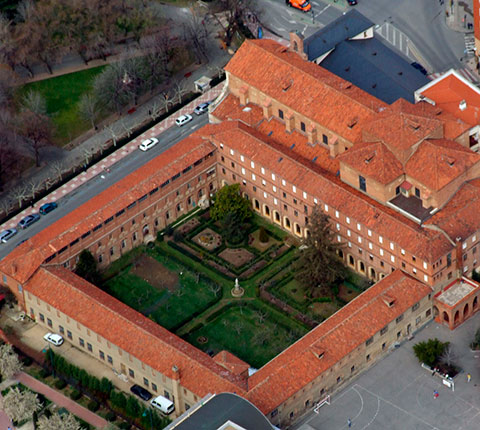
(166, 406)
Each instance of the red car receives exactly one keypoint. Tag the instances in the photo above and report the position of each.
(299, 4)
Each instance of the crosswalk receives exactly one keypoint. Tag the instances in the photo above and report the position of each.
(469, 44)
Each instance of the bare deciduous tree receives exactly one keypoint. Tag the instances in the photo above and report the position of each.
(57, 168)
(20, 194)
(20, 405)
(113, 134)
(9, 363)
(88, 109)
(261, 316)
(214, 288)
(180, 89)
(37, 130)
(34, 102)
(196, 34)
(34, 186)
(58, 422)
(166, 100)
(449, 355)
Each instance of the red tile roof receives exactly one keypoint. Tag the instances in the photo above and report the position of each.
(373, 160)
(131, 331)
(231, 362)
(459, 217)
(22, 262)
(449, 90)
(336, 337)
(316, 181)
(304, 87)
(437, 162)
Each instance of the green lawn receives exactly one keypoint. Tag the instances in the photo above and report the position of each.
(62, 94)
(165, 307)
(240, 330)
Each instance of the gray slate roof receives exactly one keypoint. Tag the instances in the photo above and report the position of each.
(345, 27)
(222, 408)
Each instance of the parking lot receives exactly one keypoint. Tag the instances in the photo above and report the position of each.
(397, 394)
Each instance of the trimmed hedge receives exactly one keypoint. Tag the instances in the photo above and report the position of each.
(93, 406)
(60, 384)
(75, 395)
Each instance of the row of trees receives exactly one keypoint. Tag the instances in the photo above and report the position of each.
(44, 31)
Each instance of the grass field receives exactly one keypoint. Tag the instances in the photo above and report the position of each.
(62, 94)
(240, 330)
(169, 308)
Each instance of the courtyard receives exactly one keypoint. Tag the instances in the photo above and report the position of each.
(397, 393)
(184, 282)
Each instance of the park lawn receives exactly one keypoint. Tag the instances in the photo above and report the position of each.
(133, 291)
(62, 94)
(295, 291)
(182, 306)
(238, 329)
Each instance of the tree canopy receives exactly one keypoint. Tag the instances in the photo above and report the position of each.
(87, 267)
(319, 266)
(229, 200)
(430, 351)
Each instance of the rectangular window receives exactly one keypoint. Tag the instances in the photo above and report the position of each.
(102, 355)
(109, 359)
(42, 318)
(61, 329)
(154, 387)
(280, 113)
(81, 342)
(69, 334)
(417, 321)
(417, 192)
(384, 330)
(89, 347)
(362, 183)
(369, 341)
(325, 139)
(131, 373)
(302, 126)
(415, 307)
(146, 382)
(49, 322)
(449, 260)
(400, 318)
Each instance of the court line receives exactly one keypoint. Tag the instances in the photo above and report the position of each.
(397, 407)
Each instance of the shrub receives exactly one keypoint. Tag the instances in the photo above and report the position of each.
(160, 236)
(110, 416)
(60, 384)
(45, 373)
(177, 236)
(168, 230)
(263, 235)
(75, 395)
(125, 426)
(27, 361)
(92, 406)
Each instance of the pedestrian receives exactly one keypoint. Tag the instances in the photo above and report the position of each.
(349, 423)
(469, 377)
(435, 394)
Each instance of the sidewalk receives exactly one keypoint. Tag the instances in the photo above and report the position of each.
(104, 165)
(62, 401)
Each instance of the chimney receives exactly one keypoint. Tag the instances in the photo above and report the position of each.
(463, 105)
(296, 44)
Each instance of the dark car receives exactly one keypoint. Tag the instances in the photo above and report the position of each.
(28, 220)
(352, 2)
(141, 392)
(419, 67)
(47, 207)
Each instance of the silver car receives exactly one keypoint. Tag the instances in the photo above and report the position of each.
(6, 235)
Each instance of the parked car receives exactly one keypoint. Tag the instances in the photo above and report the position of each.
(202, 108)
(352, 2)
(182, 120)
(28, 220)
(47, 207)
(419, 67)
(147, 144)
(141, 392)
(6, 235)
(54, 338)
(299, 4)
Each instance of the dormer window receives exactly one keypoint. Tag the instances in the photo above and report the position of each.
(369, 157)
(450, 161)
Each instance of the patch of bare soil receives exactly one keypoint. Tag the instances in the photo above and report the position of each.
(155, 273)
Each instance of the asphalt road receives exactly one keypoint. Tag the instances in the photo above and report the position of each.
(96, 185)
(422, 22)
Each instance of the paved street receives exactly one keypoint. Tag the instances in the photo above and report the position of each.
(109, 171)
(397, 394)
(421, 23)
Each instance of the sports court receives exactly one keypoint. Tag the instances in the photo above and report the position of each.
(397, 394)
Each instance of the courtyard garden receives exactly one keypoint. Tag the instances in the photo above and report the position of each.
(185, 282)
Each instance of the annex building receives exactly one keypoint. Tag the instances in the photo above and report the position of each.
(398, 181)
